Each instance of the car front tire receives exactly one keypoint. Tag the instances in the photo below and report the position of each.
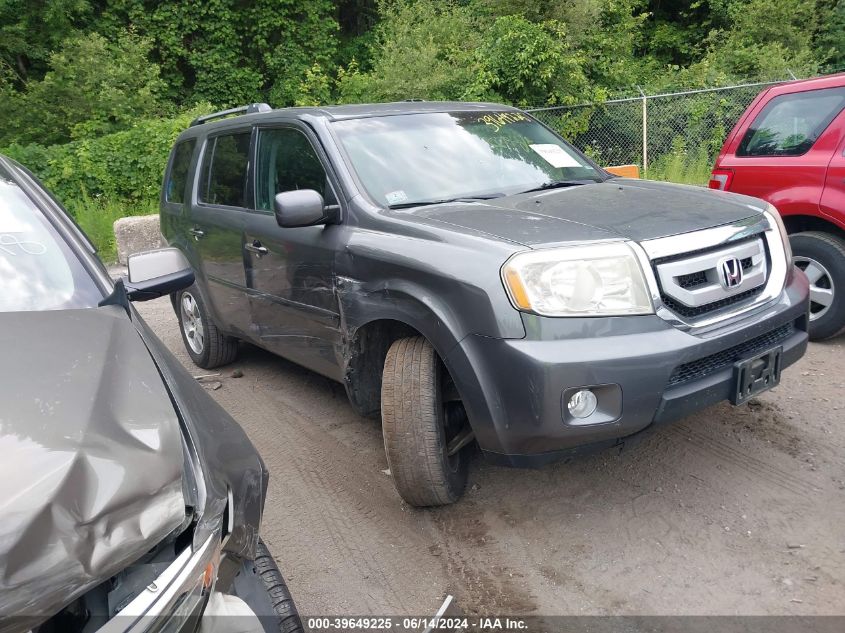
(822, 258)
(414, 417)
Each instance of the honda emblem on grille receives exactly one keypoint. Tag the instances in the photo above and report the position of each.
(730, 272)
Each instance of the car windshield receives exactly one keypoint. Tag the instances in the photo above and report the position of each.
(38, 270)
(423, 158)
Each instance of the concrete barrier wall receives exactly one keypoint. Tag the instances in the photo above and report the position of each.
(136, 234)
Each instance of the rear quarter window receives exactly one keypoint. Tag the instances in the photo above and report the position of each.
(177, 178)
(790, 124)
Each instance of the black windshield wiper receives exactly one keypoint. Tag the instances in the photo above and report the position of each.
(558, 184)
(420, 203)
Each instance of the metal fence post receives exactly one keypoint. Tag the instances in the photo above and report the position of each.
(645, 131)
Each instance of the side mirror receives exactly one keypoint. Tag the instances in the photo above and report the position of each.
(302, 207)
(153, 274)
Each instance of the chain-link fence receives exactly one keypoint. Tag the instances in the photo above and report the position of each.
(672, 137)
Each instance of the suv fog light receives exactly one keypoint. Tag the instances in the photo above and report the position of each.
(582, 404)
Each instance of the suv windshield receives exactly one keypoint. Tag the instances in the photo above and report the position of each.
(423, 158)
(38, 271)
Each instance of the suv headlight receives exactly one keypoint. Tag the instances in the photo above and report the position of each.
(775, 220)
(586, 280)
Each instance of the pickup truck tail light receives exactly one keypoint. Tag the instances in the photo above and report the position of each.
(721, 179)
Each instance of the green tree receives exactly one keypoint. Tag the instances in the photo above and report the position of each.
(767, 39)
(449, 51)
(829, 42)
(92, 87)
(422, 50)
(30, 30)
(232, 52)
(528, 63)
(605, 32)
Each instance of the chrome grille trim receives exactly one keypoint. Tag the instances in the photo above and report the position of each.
(705, 267)
(759, 224)
(702, 240)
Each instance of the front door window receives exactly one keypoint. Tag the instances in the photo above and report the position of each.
(288, 162)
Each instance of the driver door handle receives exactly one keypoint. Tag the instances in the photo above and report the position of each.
(197, 233)
(256, 248)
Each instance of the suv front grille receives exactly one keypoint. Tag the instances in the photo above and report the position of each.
(699, 278)
(691, 283)
(713, 363)
(707, 308)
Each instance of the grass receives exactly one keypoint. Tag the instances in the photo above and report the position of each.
(96, 216)
(681, 166)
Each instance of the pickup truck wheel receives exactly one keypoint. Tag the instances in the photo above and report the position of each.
(419, 418)
(822, 258)
(206, 346)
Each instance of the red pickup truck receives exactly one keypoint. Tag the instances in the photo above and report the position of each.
(788, 148)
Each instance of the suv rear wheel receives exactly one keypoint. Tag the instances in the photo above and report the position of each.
(422, 417)
(822, 257)
(206, 346)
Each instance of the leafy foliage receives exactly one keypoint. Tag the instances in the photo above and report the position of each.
(231, 52)
(31, 31)
(93, 87)
(124, 166)
(422, 50)
(90, 89)
(829, 42)
(525, 63)
(444, 51)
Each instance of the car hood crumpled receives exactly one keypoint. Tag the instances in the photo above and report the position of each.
(91, 457)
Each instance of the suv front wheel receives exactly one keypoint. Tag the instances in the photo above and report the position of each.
(424, 425)
(822, 258)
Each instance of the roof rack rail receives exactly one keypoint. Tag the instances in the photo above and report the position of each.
(247, 109)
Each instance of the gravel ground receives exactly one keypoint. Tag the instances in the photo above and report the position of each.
(731, 511)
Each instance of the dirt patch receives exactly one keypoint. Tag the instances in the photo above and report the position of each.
(483, 585)
(765, 421)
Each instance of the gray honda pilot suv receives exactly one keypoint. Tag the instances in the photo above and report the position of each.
(473, 278)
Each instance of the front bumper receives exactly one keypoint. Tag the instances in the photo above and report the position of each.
(513, 389)
(194, 593)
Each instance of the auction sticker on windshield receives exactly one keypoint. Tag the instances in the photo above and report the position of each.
(395, 197)
(555, 155)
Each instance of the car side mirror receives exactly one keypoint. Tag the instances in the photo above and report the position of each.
(153, 274)
(302, 207)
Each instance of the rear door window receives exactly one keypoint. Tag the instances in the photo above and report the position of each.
(224, 170)
(790, 124)
(178, 177)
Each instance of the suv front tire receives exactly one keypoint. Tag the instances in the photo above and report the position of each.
(414, 424)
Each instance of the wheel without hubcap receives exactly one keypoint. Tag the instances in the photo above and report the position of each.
(822, 258)
(192, 323)
(424, 425)
(204, 342)
(821, 286)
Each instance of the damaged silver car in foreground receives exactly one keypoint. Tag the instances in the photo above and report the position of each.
(129, 500)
